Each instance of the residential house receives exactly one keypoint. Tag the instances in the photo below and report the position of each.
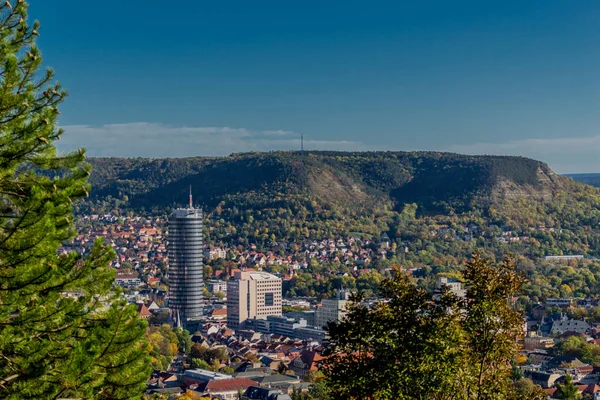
(544, 379)
(226, 388)
(569, 325)
(258, 393)
(305, 363)
(143, 311)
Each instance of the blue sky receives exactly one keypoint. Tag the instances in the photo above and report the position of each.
(193, 77)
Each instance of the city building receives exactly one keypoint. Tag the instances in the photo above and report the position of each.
(309, 316)
(332, 310)
(454, 286)
(310, 333)
(191, 376)
(217, 286)
(128, 280)
(559, 302)
(288, 327)
(185, 251)
(544, 379)
(252, 294)
(260, 393)
(566, 324)
(306, 363)
(275, 324)
(534, 342)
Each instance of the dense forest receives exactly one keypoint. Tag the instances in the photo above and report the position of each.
(436, 208)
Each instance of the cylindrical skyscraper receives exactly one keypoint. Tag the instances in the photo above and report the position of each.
(185, 250)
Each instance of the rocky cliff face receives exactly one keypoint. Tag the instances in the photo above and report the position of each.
(548, 184)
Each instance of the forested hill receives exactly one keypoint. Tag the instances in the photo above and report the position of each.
(436, 182)
(588, 179)
(436, 208)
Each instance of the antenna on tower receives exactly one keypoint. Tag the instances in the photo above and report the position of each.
(302, 144)
(191, 204)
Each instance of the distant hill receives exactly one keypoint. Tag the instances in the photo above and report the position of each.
(588, 179)
(437, 182)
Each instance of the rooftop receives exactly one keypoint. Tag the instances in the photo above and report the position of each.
(256, 276)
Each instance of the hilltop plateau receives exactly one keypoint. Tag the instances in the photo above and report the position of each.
(436, 182)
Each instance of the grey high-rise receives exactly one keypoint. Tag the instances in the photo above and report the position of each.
(185, 249)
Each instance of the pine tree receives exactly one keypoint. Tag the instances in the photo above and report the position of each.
(567, 390)
(63, 332)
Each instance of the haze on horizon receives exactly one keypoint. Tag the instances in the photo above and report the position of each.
(212, 78)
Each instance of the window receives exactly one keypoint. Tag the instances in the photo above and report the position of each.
(268, 299)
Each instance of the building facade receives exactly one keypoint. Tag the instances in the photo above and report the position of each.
(217, 286)
(185, 252)
(566, 324)
(250, 295)
(455, 287)
(332, 310)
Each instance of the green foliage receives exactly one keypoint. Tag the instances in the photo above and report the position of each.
(287, 309)
(184, 340)
(199, 363)
(525, 389)
(63, 331)
(567, 390)
(212, 357)
(164, 343)
(418, 347)
(318, 391)
(228, 370)
(576, 346)
(491, 325)
(320, 195)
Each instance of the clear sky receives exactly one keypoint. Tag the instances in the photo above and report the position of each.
(194, 77)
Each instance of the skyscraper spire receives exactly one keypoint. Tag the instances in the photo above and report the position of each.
(191, 204)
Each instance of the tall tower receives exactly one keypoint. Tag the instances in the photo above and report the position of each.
(185, 251)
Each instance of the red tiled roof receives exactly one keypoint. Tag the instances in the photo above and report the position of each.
(591, 389)
(227, 332)
(143, 310)
(229, 385)
(311, 358)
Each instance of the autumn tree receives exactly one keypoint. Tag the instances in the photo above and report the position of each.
(404, 348)
(63, 331)
(417, 346)
(492, 325)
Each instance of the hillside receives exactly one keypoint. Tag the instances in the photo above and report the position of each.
(328, 194)
(437, 182)
(436, 208)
